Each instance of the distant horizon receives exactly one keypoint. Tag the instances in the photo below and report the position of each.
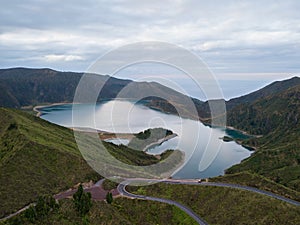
(231, 86)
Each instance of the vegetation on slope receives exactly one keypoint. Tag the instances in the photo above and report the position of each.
(257, 181)
(38, 158)
(268, 114)
(121, 211)
(219, 205)
(277, 117)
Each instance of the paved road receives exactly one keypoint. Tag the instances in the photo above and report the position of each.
(214, 184)
(122, 191)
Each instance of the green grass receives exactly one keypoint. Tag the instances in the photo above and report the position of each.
(219, 205)
(121, 211)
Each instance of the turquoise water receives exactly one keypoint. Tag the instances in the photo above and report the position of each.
(206, 155)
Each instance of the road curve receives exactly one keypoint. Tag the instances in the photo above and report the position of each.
(122, 190)
(215, 184)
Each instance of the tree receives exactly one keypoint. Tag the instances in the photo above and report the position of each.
(82, 201)
(42, 208)
(109, 197)
(44, 205)
(30, 214)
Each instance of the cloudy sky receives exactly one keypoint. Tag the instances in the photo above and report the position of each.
(237, 39)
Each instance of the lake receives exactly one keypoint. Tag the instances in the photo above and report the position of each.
(206, 155)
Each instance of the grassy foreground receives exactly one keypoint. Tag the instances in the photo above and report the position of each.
(218, 205)
(121, 211)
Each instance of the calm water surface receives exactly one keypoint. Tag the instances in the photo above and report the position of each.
(206, 155)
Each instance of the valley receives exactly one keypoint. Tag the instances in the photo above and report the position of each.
(40, 157)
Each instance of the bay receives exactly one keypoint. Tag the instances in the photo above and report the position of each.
(206, 154)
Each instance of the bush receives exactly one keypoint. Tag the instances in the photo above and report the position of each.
(82, 201)
(44, 205)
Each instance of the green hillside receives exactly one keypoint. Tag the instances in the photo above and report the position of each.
(37, 157)
(268, 114)
(25, 87)
(277, 118)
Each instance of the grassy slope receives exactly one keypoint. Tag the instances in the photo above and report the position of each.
(37, 157)
(121, 211)
(218, 205)
(277, 117)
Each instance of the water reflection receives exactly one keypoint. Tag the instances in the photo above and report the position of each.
(199, 142)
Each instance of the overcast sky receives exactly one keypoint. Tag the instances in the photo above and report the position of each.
(237, 39)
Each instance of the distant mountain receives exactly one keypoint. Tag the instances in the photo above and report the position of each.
(24, 87)
(271, 89)
(203, 108)
(278, 110)
(27, 87)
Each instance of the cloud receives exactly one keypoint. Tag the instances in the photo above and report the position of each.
(243, 36)
(66, 58)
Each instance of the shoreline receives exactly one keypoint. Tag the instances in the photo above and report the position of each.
(159, 142)
(37, 107)
(104, 135)
(243, 132)
(44, 105)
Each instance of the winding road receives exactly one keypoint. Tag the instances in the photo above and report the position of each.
(122, 190)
